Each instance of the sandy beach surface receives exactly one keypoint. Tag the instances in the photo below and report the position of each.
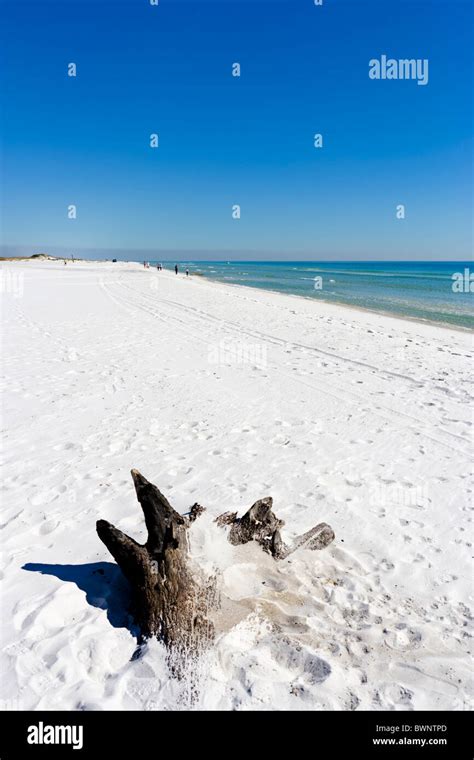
(223, 395)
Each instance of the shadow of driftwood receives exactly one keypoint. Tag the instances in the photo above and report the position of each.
(104, 585)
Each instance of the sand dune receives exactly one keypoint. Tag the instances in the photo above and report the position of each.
(223, 395)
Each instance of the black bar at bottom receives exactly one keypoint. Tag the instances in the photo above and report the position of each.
(131, 734)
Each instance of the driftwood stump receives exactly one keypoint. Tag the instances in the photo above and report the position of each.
(169, 601)
(261, 524)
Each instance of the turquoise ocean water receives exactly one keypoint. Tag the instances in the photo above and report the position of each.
(420, 290)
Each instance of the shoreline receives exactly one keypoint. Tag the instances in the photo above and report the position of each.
(308, 299)
(363, 309)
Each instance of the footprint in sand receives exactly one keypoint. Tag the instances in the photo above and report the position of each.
(448, 578)
(44, 497)
(419, 558)
(395, 694)
(308, 665)
(48, 527)
(403, 638)
(64, 446)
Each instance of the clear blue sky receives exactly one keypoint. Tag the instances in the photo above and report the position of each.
(223, 140)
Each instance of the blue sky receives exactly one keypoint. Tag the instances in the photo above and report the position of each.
(143, 69)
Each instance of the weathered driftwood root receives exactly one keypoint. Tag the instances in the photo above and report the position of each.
(169, 600)
(261, 524)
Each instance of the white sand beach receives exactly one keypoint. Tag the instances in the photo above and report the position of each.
(223, 395)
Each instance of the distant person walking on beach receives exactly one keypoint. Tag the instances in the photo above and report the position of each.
(187, 272)
(176, 269)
